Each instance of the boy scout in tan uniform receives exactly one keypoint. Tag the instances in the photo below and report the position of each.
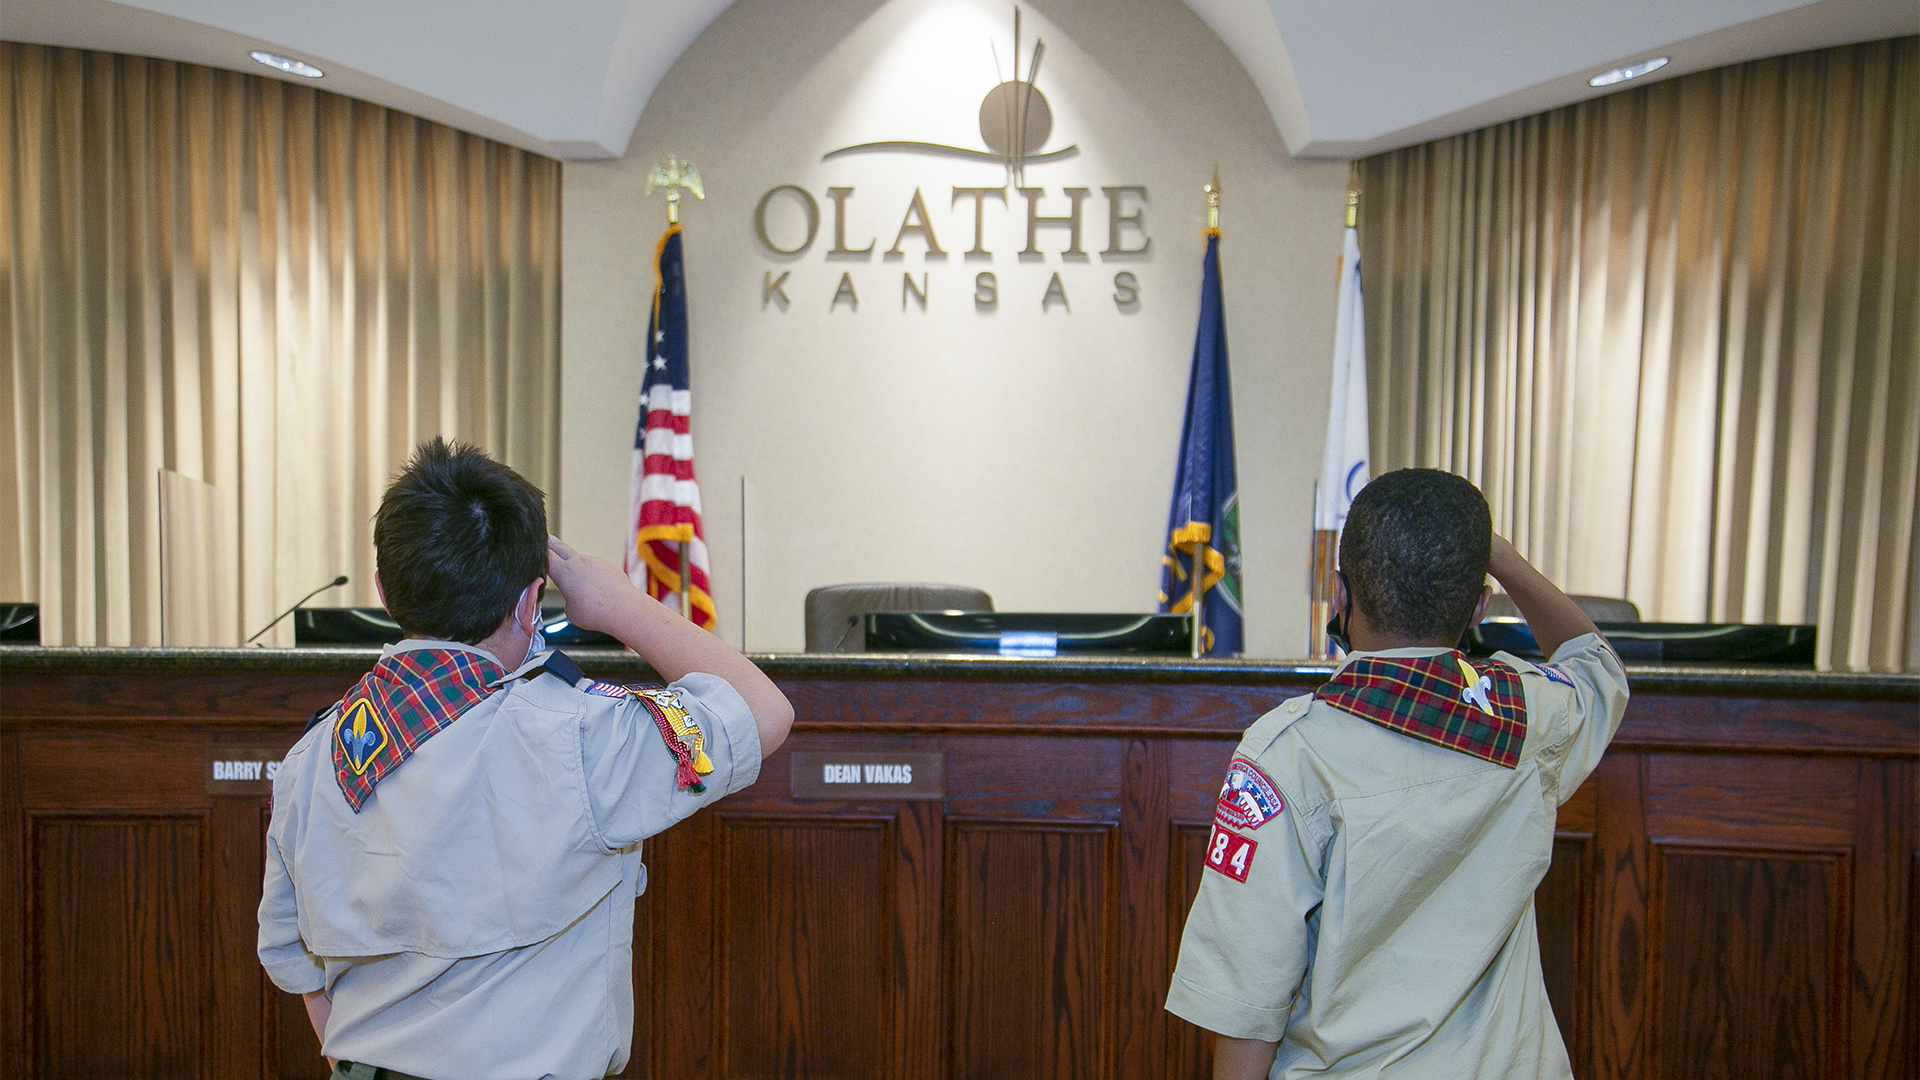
(1368, 909)
(454, 850)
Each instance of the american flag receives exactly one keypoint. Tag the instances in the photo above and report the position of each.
(664, 502)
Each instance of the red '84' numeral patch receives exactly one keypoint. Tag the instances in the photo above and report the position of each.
(1230, 853)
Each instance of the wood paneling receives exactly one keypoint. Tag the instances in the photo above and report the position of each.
(1795, 725)
(682, 879)
(119, 968)
(1140, 980)
(1903, 1050)
(1189, 1048)
(1196, 769)
(142, 770)
(214, 697)
(1622, 896)
(1752, 800)
(1034, 778)
(1882, 1040)
(15, 1009)
(1152, 709)
(1561, 916)
(1732, 892)
(1749, 965)
(803, 948)
(1028, 949)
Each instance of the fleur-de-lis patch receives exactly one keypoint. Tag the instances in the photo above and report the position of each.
(361, 734)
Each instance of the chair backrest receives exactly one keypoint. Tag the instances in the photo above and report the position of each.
(1598, 608)
(837, 614)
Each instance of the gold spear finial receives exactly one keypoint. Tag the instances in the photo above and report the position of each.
(674, 174)
(1353, 195)
(1212, 188)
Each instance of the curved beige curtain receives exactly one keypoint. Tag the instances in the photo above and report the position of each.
(273, 289)
(1674, 334)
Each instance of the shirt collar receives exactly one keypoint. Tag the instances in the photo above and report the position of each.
(1409, 651)
(412, 644)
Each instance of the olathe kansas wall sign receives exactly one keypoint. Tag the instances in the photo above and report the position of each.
(1015, 124)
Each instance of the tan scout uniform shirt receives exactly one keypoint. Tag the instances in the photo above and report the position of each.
(1385, 927)
(475, 920)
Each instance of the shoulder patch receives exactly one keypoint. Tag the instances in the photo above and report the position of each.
(681, 734)
(1554, 673)
(1249, 798)
(1230, 853)
(612, 690)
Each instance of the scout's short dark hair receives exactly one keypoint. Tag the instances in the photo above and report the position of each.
(1415, 552)
(457, 537)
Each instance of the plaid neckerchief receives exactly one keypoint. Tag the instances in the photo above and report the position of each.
(404, 701)
(1441, 699)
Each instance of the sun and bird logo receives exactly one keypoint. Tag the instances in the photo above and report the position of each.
(1015, 121)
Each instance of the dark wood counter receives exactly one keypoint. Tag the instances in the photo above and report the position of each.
(1732, 892)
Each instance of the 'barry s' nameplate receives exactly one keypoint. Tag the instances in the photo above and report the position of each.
(242, 770)
(868, 774)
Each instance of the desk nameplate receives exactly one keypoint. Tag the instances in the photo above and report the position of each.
(242, 770)
(868, 774)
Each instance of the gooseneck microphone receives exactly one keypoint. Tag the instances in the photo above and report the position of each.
(334, 584)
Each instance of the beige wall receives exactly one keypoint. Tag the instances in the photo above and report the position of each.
(1027, 452)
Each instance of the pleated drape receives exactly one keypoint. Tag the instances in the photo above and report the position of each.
(273, 289)
(1674, 334)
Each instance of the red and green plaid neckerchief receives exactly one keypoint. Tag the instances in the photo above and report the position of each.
(1441, 699)
(404, 701)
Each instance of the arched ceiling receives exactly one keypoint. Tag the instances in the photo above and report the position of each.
(1342, 80)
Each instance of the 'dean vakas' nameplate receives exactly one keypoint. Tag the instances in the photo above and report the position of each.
(868, 774)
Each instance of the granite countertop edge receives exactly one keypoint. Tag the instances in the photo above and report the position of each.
(1650, 678)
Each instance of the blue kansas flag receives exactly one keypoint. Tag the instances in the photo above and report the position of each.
(1206, 492)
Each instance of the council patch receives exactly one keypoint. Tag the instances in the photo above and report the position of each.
(1248, 799)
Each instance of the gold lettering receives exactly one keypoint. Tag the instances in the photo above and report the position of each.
(919, 291)
(846, 290)
(770, 287)
(806, 203)
(917, 207)
(1071, 222)
(839, 197)
(1055, 290)
(980, 195)
(986, 290)
(1116, 219)
(1126, 290)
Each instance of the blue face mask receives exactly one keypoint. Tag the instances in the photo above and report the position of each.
(537, 644)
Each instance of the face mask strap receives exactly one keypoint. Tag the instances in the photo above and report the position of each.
(536, 641)
(1341, 621)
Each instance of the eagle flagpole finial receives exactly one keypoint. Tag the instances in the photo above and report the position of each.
(674, 174)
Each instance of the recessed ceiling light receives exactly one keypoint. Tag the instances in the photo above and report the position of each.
(1617, 75)
(295, 67)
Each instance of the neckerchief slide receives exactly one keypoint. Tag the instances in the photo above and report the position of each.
(1444, 700)
(405, 700)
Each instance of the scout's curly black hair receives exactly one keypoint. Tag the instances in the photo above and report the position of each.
(457, 537)
(1415, 552)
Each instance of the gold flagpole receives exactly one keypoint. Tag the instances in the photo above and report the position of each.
(674, 174)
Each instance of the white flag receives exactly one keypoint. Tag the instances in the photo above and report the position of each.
(1343, 468)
